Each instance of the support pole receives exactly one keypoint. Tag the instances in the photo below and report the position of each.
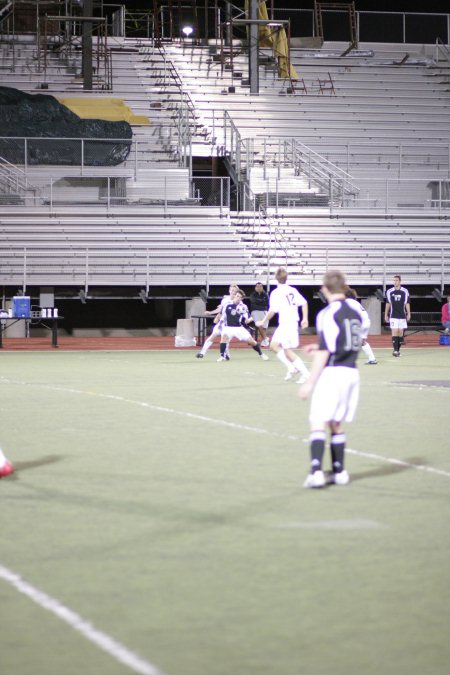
(253, 48)
(87, 46)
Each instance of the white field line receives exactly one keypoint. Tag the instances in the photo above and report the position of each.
(115, 649)
(225, 423)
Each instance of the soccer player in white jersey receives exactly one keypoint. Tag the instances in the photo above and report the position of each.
(334, 378)
(236, 316)
(397, 312)
(285, 301)
(218, 322)
(365, 347)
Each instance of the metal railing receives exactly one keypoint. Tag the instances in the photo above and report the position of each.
(381, 195)
(112, 193)
(14, 183)
(245, 154)
(441, 51)
(267, 236)
(212, 191)
(373, 26)
(395, 158)
(77, 152)
(384, 195)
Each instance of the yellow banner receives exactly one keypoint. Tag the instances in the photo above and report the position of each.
(111, 109)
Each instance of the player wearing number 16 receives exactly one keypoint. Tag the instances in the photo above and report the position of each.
(334, 378)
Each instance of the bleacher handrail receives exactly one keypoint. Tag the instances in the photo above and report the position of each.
(441, 48)
(306, 162)
(14, 177)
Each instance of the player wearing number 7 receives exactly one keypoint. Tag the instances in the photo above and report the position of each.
(334, 378)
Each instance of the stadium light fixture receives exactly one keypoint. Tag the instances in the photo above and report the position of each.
(187, 30)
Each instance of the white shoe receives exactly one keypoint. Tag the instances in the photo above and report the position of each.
(265, 342)
(373, 362)
(290, 374)
(221, 358)
(302, 379)
(264, 357)
(315, 480)
(341, 478)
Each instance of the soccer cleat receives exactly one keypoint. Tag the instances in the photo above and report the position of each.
(221, 358)
(315, 480)
(264, 357)
(302, 379)
(6, 470)
(341, 478)
(290, 374)
(227, 357)
(265, 342)
(373, 362)
(394, 353)
(199, 355)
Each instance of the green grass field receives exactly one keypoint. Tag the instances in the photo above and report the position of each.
(157, 521)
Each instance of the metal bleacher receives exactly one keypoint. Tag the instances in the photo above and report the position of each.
(137, 249)
(382, 128)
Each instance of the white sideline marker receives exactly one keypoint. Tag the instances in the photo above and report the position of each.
(224, 423)
(115, 649)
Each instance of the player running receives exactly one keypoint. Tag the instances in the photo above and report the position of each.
(285, 301)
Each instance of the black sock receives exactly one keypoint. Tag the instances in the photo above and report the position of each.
(337, 447)
(317, 449)
(257, 349)
(397, 343)
(393, 343)
(223, 348)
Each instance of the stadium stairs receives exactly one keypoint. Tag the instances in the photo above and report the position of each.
(375, 109)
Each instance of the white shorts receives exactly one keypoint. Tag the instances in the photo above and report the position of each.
(238, 332)
(398, 324)
(217, 330)
(336, 395)
(287, 336)
(258, 315)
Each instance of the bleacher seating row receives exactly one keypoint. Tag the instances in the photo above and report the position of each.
(378, 109)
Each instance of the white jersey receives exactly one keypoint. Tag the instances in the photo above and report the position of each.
(285, 301)
(224, 302)
(218, 326)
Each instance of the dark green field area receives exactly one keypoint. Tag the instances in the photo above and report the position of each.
(157, 522)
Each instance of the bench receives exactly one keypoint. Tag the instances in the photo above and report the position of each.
(422, 321)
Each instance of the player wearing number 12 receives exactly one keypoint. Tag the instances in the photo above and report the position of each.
(334, 378)
(285, 301)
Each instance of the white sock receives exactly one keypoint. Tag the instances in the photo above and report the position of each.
(3, 459)
(206, 345)
(281, 356)
(300, 366)
(367, 349)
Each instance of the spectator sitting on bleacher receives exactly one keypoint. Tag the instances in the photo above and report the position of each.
(445, 317)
